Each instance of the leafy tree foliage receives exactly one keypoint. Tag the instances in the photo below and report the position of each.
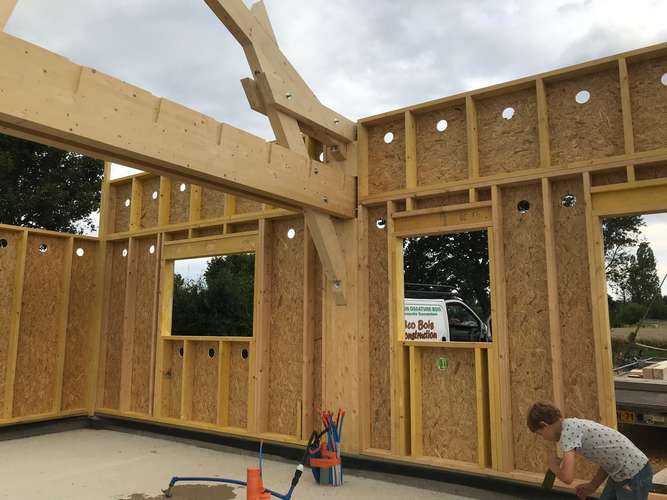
(643, 281)
(621, 234)
(220, 302)
(460, 260)
(47, 188)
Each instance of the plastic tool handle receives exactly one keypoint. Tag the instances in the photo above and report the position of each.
(549, 479)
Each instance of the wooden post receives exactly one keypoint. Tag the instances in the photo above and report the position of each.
(165, 201)
(472, 138)
(224, 374)
(601, 334)
(135, 204)
(128, 326)
(416, 425)
(63, 316)
(362, 159)
(482, 399)
(165, 301)
(309, 290)
(363, 329)
(552, 291)
(187, 380)
(410, 156)
(13, 342)
(626, 108)
(543, 124)
(500, 337)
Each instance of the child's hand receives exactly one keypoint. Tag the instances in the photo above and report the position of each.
(554, 464)
(585, 490)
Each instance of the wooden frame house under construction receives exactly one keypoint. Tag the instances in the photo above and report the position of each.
(85, 323)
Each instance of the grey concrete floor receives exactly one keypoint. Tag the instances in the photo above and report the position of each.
(88, 464)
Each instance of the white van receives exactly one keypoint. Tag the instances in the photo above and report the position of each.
(434, 314)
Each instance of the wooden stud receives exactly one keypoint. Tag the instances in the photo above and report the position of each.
(128, 326)
(483, 415)
(500, 337)
(63, 317)
(362, 160)
(97, 321)
(13, 343)
(543, 124)
(104, 327)
(224, 376)
(309, 290)
(472, 138)
(416, 424)
(626, 108)
(259, 379)
(363, 299)
(195, 203)
(601, 334)
(155, 324)
(187, 380)
(410, 150)
(135, 204)
(164, 204)
(165, 311)
(553, 296)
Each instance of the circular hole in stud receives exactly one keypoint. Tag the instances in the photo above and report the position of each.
(441, 126)
(336, 121)
(151, 249)
(291, 233)
(523, 206)
(582, 97)
(211, 352)
(568, 200)
(288, 95)
(244, 353)
(80, 252)
(322, 156)
(3, 243)
(124, 252)
(127, 202)
(180, 352)
(508, 113)
(389, 137)
(154, 195)
(43, 248)
(663, 80)
(183, 187)
(381, 223)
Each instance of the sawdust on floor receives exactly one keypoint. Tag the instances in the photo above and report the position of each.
(192, 492)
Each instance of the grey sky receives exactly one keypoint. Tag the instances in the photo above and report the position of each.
(360, 57)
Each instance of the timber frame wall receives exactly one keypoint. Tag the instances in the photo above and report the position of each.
(90, 334)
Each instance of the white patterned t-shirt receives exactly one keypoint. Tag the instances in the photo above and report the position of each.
(602, 445)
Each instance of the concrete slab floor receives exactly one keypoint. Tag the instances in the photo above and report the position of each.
(88, 464)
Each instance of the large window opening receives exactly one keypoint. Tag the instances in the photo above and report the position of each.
(214, 296)
(447, 289)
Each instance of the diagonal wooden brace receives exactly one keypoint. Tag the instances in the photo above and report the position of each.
(331, 254)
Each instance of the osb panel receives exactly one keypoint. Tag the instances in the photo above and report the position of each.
(449, 404)
(576, 325)
(212, 203)
(613, 177)
(205, 382)
(239, 370)
(648, 97)
(508, 145)
(8, 257)
(144, 318)
(378, 331)
(650, 172)
(527, 318)
(179, 210)
(286, 326)
(119, 194)
(113, 334)
(150, 206)
(457, 198)
(172, 379)
(43, 294)
(78, 345)
(590, 130)
(442, 156)
(483, 195)
(244, 206)
(386, 162)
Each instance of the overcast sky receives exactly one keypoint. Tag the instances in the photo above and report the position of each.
(360, 57)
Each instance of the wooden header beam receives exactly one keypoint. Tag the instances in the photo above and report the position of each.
(46, 98)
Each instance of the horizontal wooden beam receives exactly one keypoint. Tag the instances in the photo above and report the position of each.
(210, 246)
(46, 98)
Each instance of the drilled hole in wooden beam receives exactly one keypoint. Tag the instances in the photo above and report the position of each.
(523, 206)
(389, 137)
(80, 252)
(43, 248)
(441, 126)
(582, 97)
(3, 243)
(568, 200)
(508, 113)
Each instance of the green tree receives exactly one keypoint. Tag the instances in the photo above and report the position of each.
(621, 234)
(460, 260)
(643, 281)
(218, 303)
(44, 187)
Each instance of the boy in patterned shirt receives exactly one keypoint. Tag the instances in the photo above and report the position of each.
(625, 467)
